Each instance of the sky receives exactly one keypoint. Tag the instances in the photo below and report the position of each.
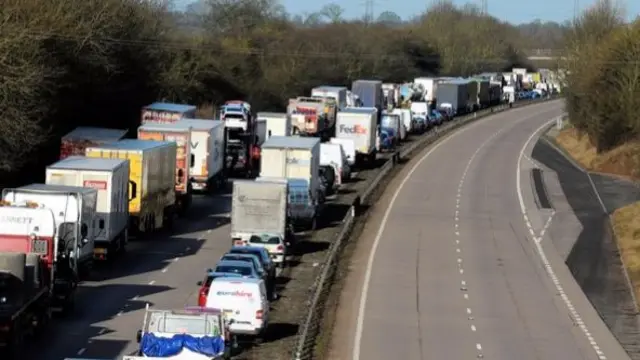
(514, 11)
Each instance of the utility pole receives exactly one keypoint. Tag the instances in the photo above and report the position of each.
(576, 10)
(484, 7)
(368, 11)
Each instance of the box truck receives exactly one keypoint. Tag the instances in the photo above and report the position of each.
(292, 158)
(454, 95)
(337, 93)
(110, 178)
(207, 154)
(167, 113)
(180, 134)
(278, 124)
(359, 124)
(312, 116)
(152, 169)
(369, 93)
(77, 141)
(257, 208)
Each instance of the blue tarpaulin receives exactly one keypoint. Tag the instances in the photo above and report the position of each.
(154, 346)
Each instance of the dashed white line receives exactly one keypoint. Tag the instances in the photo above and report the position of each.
(543, 256)
(81, 351)
(120, 313)
(165, 270)
(473, 328)
(102, 331)
(152, 282)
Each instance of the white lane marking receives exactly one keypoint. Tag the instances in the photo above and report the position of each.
(543, 256)
(456, 222)
(209, 231)
(165, 270)
(367, 277)
(135, 298)
(152, 282)
(81, 351)
(102, 331)
(176, 259)
(120, 313)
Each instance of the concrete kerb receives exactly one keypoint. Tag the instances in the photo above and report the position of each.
(310, 324)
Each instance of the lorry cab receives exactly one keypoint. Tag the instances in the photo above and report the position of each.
(389, 131)
(243, 301)
(66, 222)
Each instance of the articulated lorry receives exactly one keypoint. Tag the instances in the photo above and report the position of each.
(166, 113)
(152, 174)
(77, 141)
(180, 134)
(207, 154)
(56, 223)
(110, 178)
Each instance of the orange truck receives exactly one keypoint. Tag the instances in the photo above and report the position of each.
(180, 134)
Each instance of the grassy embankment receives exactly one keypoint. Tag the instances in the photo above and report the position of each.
(623, 161)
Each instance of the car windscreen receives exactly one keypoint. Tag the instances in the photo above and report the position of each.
(242, 270)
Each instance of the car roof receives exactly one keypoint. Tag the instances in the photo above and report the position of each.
(240, 255)
(251, 248)
(236, 280)
(233, 263)
(217, 273)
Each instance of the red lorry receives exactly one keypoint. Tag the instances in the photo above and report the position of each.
(78, 140)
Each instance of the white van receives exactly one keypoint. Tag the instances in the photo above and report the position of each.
(334, 155)
(242, 300)
(349, 148)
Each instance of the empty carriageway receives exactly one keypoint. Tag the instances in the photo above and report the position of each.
(456, 268)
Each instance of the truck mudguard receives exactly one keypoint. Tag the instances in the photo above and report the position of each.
(155, 346)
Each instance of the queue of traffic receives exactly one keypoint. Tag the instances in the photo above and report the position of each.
(107, 188)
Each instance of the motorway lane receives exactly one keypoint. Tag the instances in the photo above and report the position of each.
(455, 275)
(161, 270)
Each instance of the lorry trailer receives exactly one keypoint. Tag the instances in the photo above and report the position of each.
(180, 134)
(278, 124)
(76, 142)
(152, 173)
(110, 177)
(207, 154)
(359, 125)
(166, 113)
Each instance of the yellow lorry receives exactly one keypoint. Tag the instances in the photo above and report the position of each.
(152, 169)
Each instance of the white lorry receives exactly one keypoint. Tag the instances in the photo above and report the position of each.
(57, 222)
(359, 125)
(207, 153)
(407, 124)
(293, 158)
(429, 87)
(110, 177)
(278, 124)
(349, 148)
(337, 93)
(333, 155)
(202, 333)
(260, 208)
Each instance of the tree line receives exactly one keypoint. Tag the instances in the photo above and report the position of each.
(95, 63)
(603, 76)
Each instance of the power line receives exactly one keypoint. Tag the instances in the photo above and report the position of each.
(238, 51)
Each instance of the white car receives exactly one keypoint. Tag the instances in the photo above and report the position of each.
(275, 245)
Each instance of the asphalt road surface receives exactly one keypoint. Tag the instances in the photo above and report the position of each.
(459, 272)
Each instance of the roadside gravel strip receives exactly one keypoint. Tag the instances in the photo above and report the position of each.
(162, 271)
